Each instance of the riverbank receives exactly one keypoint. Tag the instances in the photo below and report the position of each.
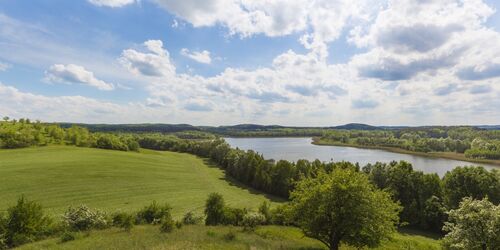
(447, 155)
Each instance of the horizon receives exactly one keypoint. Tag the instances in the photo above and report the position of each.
(227, 62)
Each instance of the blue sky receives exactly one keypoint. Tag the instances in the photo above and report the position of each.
(220, 62)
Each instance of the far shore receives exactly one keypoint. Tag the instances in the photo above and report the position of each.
(447, 155)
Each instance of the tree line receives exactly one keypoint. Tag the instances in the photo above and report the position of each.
(26, 133)
(475, 143)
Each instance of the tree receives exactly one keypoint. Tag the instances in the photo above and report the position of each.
(343, 207)
(474, 225)
(25, 222)
(475, 182)
(214, 209)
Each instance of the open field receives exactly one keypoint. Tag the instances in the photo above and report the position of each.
(203, 237)
(447, 155)
(59, 176)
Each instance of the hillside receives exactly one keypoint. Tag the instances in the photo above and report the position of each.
(59, 176)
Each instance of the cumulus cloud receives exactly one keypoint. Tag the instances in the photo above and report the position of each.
(16, 103)
(111, 3)
(364, 103)
(480, 89)
(198, 106)
(446, 89)
(155, 61)
(201, 57)
(476, 73)
(420, 37)
(71, 73)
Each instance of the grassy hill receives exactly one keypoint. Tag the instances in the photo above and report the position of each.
(59, 176)
(203, 237)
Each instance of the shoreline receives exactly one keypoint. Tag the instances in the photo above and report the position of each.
(447, 155)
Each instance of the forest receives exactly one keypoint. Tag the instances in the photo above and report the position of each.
(473, 142)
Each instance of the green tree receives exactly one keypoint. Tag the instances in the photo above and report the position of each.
(475, 182)
(214, 209)
(344, 207)
(474, 225)
(25, 222)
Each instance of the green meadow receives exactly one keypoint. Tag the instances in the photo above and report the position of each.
(206, 237)
(60, 176)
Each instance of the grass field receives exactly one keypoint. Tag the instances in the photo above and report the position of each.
(59, 176)
(203, 237)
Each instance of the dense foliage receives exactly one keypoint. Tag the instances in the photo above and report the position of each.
(25, 222)
(344, 207)
(475, 143)
(25, 133)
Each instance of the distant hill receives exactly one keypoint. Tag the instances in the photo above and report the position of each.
(356, 126)
(488, 127)
(241, 128)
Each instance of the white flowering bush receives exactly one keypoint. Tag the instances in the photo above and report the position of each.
(83, 218)
(252, 220)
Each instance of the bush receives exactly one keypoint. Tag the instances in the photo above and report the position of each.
(190, 219)
(230, 236)
(67, 236)
(252, 220)
(280, 215)
(265, 210)
(214, 209)
(167, 225)
(178, 224)
(25, 222)
(3, 230)
(123, 220)
(83, 218)
(154, 213)
(233, 216)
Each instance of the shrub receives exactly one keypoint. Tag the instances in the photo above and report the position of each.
(154, 213)
(252, 220)
(178, 224)
(3, 230)
(67, 236)
(167, 225)
(190, 219)
(123, 220)
(265, 210)
(233, 216)
(214, 209)
(230, 236)
(83, 218)
(280, 215)
(25, 222)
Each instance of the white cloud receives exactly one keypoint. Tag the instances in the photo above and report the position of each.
(155, 61)
(201, 57)
(4, 66)
(111, 3)
(321, 20)
(71, 73)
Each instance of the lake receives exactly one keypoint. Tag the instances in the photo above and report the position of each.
(293, 149)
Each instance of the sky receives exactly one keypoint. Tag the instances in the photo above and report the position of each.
(226, 62)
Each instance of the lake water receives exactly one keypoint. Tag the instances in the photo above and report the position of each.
(293, 149)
